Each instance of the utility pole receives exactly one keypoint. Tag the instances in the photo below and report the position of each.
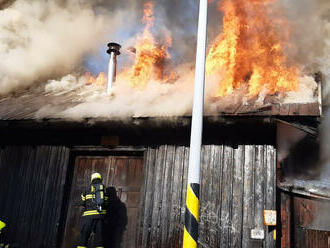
(190, 236)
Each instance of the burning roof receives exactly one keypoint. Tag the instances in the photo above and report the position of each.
(250, 50)
(250, 71)
(80, 101)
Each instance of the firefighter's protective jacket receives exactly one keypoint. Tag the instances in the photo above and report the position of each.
(88, 202)
(95, 201)
(3, 235)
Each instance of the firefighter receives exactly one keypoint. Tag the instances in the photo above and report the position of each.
(95, 203)
(3, 237)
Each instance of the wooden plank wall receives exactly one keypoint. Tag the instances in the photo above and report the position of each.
(122, 172)
(238, 183)
(32, 182)
(305, 222)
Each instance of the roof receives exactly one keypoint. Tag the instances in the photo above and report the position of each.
(318, 188)
(44, 102)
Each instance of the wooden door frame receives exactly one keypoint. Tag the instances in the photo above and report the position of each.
(76, 151)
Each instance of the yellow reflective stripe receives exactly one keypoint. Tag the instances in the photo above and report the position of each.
(94, 212)
(192, 202)
(106, 198)
(90, 196)
(2, 224)
(101, 195)
(6, 246)
(91, 212)
(81, 246)
(188, 241)
(83, 197)
(101, 186)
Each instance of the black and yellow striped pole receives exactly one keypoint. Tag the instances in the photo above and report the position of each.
(190, 236)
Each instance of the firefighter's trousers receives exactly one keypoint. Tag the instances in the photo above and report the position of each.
(89, 225)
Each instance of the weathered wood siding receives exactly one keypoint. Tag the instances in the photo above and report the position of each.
(305, 221)
(122, 172)
(32, 183)
(238, 183)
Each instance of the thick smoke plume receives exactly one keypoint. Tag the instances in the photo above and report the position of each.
(40, 40)
(314, 45)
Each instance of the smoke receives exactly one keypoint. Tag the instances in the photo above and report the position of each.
(325, 146)
(56, 41)
(311, 30)
(310, 35)
(310, 161)
(156, 99)
(44, 39)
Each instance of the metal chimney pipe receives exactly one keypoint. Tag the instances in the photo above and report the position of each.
(113, 50)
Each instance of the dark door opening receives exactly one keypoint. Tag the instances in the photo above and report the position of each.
(122, 172)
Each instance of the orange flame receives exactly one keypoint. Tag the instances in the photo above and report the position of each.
(250, 50)
(150, 56)
(99, 80)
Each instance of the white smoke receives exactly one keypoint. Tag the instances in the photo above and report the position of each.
(305, 93)
(157, 99)
(43, 39)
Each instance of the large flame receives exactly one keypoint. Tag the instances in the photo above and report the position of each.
(250, 50)
(150, 56)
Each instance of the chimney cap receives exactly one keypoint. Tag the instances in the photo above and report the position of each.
(113, 47)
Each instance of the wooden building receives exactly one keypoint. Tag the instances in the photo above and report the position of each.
(303, 191)
(46, 163)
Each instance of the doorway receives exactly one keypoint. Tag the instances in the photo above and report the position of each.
(122, 172)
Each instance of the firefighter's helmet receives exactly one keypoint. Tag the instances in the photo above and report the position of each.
(2, 225)
(96, 175)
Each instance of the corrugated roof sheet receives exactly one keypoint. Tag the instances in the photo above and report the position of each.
(319, 188)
